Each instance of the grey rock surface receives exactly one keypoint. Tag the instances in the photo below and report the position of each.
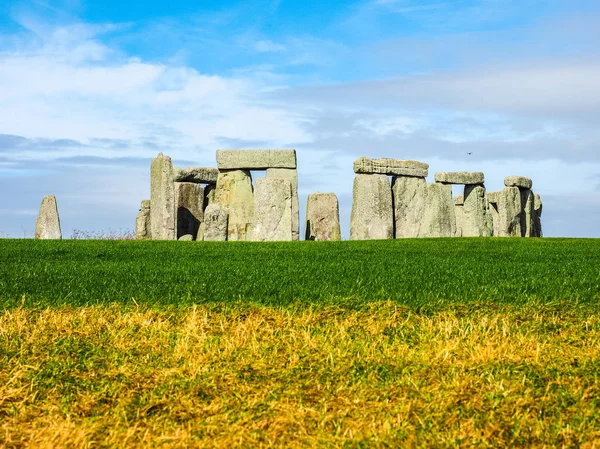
(537, 207)
(322, 217)
(186, 238)
(509, 213)
(189, 199)
(234, 192)
(162, 199)
(409, 202)
(209, 195)
(255, 159)
(439, 219)
(391, 167)
(143, 229)
(47, 226)
(291, 175)
(459, 177)
(459, 200)
(527, 213)
(272, 210)
(214, 226)
(493, 197)
(372, 210)
(458, 212)
(475, 219)
(518, 181)
(145, 204)
(199, 175)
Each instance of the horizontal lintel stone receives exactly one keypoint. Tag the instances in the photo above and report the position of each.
(493, 197)
(255, 159)
(199, 175)
(391, 167)
(460, 177)
(518, 181)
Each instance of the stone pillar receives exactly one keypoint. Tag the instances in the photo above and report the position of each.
(272, 211)
(475, 219)
(439, 219)
(459, 202)
(322, 217)
(537, 218)
(189, 198)
(526, 202)
(509, 212)
(162, 199)
(291, 174)
(234, 192)
(409, 197)
(47, 225)
(209, 195)
(372, 210)
(214, 226)
(493, 200)
(143, 229)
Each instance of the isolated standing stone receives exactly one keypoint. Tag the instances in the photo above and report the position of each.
(459, 202)
(214, 226)
(475, 220)
(322, 217)
(439, 219)
(272, 210)
(199, 175)
(189, 198)
(537, 206)
(255, 159)
(509, 212)
(234, 192)
(291, 175)
(162, 199)
(409, 204)
(142, 222)
(391, 167)
(47, 225)
(460, 177)
(372, 210)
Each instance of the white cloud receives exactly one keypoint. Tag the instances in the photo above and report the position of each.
(267, 46)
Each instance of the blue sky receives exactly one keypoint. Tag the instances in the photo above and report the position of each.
(90, 91)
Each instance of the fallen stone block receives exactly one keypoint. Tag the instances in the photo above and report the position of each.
(234, 192)
(322, 217)
(391, 167)
(372, 211)
(199, 175)
(272, 210)
(460, 177)
(186, 238)
(47, 226)
(255, 159)
(518, 181)
(214, 226)
(291, 175)
(189, 198)
(162, 199)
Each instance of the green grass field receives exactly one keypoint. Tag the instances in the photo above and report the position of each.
(408, 343)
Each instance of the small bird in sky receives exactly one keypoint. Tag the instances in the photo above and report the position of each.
(470, 154)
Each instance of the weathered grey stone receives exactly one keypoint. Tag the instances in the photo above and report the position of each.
(537, 219)
(493, 200)
(458, 212)
(322, 217)
(518, 181)
(527, 213)
(459, 177)
(234, 192)
(509, 213)
(162, 199)
(372, 210)
(272, 210)
(439, 219)
(214, 226)
(475, 219)
(459, 200)
(186, 238)
(255, 159)
(291, 175)
(199, 175)
(391, 167)
(409, 203)
(209, 195)
(493, 197)
(143, 229)
(189, 198)
(47, 225)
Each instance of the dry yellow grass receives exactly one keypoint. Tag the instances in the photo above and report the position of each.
(248, 376)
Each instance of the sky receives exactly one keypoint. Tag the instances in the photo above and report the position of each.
(92, 90)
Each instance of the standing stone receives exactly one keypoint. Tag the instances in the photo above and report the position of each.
(372, 211)
(439, 219)
(47, 225)
(214, 226)
(409, 203)
(493, 199)
(459, 202)
(527, 213)
(537, 206)
(322, 217)
(142, 222)
(509, 212)
(475, 220)
(189, 198)
(209, 195)
(272, 210)
(292, 176)
(234, 192)
(162, 199)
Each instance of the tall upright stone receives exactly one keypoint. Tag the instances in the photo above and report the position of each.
(509, 212)
(459, 202)
(272, 210)
(47, 225)
(189, 198)
(537, 206)
(234, 192)
(493, 200)
(143, 229)
(291, 175)
(438, 219)
(475, 220)
(162, 199)
(209, 195)
(527, 213)
(409, 205)
(322, 217)
(214, 226)
(372, 210)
